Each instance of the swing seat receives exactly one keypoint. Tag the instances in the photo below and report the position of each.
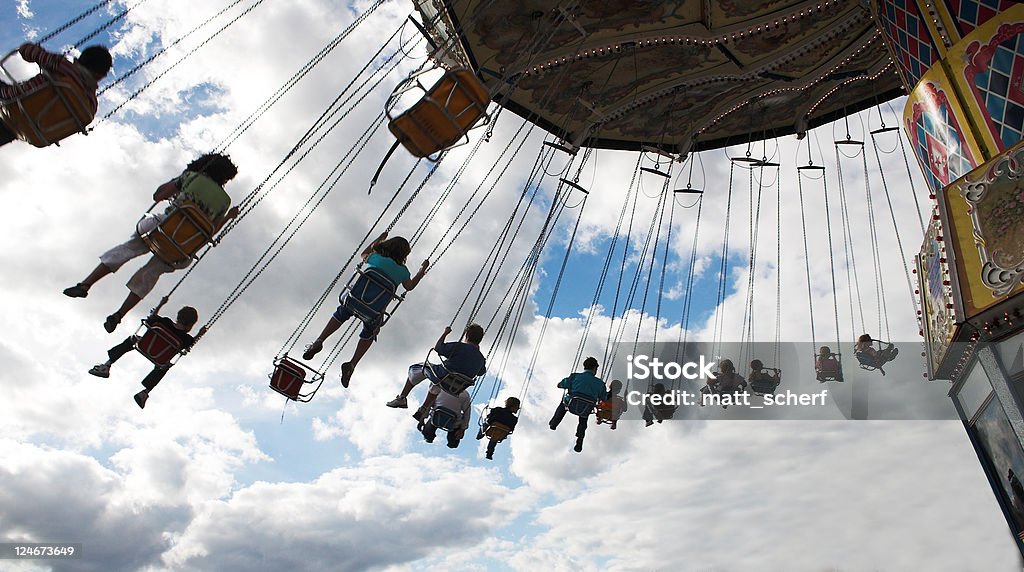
(367, 296)
(867, 361)
(178, 237)
(580, 405)
(830, 369)
(663, 412)
(159, 344)
(444, 115)
(609, 411)
(48, 113)
(765, 385)
(497, 432)
(287, 378)
(443, 418)
(454, 383)
(290, 376)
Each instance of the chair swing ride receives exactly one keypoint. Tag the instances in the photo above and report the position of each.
(670, 82)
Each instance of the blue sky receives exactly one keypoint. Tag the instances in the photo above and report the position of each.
(209, 476)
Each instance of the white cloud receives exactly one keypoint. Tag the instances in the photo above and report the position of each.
(385, 511)
(24, 9)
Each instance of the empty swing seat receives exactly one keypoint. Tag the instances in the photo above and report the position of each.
(497, 432)
(444, 115)
(443, 418)
(581, 405)
(179, 236)
(288, 378)
(48, 113)
(159, 344)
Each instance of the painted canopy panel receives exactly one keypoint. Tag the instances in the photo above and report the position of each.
(624, 73)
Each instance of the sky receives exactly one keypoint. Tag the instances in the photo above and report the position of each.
(218, 472)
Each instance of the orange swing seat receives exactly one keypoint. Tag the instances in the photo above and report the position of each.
(179, 236)
(48, 113)
(444, 115)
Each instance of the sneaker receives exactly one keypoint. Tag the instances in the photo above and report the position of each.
(346, 373)
(579, 445)
(489, 457)
(141, 398)
(111, 323)
(648, 423)
(399, 402)
(100, 370)
(312, 349)
(76, 291)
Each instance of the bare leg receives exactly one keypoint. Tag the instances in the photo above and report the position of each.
(407, 389)
(130, 302)
(81, 290)
(114, 319)
(331, 327)
(99, 272)
(361, 348)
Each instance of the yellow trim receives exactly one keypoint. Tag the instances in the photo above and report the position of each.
(933, 30)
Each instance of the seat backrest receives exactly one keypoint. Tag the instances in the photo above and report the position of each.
(455, 383)
(581, 405)
(368, 294)
(764, 384)
(158, 344)
(180, 235)
(443, 418)
(48, 113)
(866, 359)
(497, 431)
(826, 365)
(288, 378)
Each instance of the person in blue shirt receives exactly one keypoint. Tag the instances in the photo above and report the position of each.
(462, 357)
(583, 384)
(386, 255)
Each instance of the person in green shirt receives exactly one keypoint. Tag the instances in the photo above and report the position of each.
(202, 182)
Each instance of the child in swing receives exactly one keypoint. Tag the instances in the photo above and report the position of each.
(869, 356)
(504, 415)
(611, 409)
(179, 327)
(387, 256)
(826, 365)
